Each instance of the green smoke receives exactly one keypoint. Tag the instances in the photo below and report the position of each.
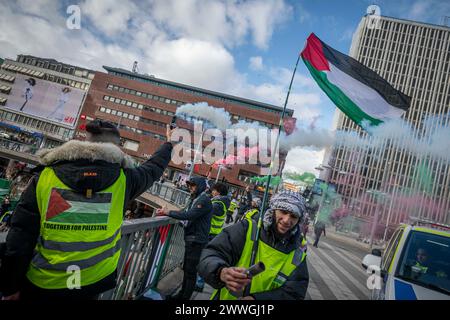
(305, 177)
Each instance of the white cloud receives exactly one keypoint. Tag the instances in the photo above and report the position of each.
(227, 22)
(304, 15)
(430, 11)
(194, 62)
(174, 40)
(303, 160)
(109, 16)
(256, 63)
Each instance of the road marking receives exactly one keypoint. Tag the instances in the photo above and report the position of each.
(324, 290)
(344, 257)
(313, 290)
(352, 279)
(336, 285)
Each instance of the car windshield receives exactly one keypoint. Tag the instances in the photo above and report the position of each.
(426, 261)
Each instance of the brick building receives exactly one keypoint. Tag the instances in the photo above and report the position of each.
(142, 105)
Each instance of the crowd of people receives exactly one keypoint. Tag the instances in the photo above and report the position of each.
(221, 235)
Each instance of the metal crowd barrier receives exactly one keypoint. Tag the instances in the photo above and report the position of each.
(170, 193)
(151, 249)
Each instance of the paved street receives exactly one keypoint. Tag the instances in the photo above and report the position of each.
(335, 270)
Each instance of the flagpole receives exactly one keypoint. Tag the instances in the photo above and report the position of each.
(269, 178)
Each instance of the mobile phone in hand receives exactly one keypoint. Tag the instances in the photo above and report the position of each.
(173, 123)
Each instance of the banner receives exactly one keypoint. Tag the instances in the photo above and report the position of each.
(45, 99)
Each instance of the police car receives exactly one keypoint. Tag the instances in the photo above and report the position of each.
(415, 264)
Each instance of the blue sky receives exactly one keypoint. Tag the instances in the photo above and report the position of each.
(246, 48)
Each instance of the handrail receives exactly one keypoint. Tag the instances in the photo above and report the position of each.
(151, 249)
(170, 193)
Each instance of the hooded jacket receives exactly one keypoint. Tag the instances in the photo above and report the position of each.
(226, 248)
(197, 214)
(69, 162)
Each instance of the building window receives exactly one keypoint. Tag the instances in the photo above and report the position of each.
(131, 145)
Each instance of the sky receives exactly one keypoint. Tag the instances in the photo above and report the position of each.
(243, 48)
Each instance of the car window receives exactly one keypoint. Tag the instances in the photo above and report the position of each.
(426, 261)
(390, 251)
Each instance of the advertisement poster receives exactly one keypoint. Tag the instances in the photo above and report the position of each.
(45, 99)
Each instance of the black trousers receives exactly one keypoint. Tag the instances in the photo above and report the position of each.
(229, 218)
(191, 259)
(316, 242)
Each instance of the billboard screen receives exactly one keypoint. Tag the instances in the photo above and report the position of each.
(45, 99)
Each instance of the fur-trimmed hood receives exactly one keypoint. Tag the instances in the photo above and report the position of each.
(78, 150)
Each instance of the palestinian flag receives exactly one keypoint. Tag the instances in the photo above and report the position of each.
(66, 206)
(357, 91)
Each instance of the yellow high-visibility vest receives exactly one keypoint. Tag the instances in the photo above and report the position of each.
(217, 221)
(279, 265)
(78, 233)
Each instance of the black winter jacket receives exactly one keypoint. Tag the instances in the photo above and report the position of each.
(69, 162)
(246, 204)
(225, 251)
(197, 215)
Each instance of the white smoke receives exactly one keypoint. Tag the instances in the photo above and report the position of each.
(315, 138)
(218, 117)
(432, 138)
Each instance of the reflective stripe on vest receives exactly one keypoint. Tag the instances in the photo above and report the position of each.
(279, 266)
(6, 213)
(68, 217)
(217, 221)
(249, 214)
(232, 207)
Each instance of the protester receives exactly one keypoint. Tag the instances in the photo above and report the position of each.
(280, 247)
(319, 228)
(233, 206)
(253, 212)
(220, 203)
(244, 205)
(87, 177)
(197, 215)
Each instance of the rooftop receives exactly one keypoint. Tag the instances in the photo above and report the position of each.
(215, 94)
(425, 24)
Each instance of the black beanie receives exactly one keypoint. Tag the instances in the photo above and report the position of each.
(101, 126)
